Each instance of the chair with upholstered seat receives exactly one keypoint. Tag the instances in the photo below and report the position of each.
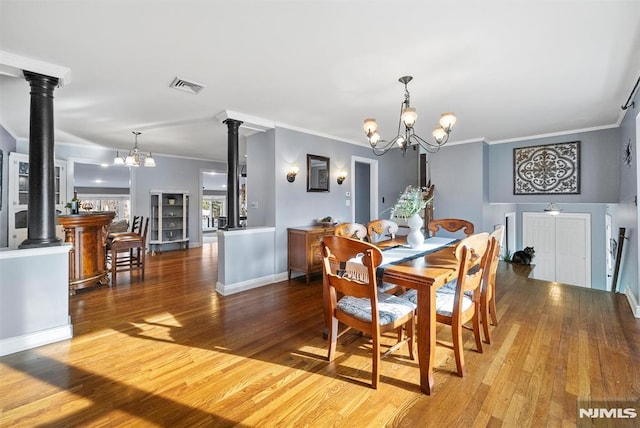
(349, 268)
(458, 302)
(488, 295)
(351, 230)
(451, 225)
(381, 230)
(127, 251)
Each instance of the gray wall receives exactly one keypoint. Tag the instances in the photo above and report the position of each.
(480, 187)
(171, 174)
(460, 181)
(599, 170)
(263, 178)
(627, 212)
(294, 206)
(7, 145)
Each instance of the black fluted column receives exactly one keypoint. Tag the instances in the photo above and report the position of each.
(233, 167)
(41, 219)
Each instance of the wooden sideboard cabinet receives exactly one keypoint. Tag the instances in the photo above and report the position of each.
(304, 250)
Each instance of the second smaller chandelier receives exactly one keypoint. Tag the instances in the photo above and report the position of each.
(408, 136)
(135, 157)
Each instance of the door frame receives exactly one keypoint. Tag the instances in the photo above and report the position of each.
(373, 186)
(510, 233)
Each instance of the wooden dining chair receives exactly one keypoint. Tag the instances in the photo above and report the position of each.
(351, 230)
(488, 294)
(361, 307)
(128, 252)
(458, 302)
(450, 225)
(381, 230)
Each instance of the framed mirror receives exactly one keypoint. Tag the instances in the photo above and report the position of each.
(317, 173)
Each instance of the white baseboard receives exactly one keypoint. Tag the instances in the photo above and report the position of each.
(227, 289)
(33, 340)
(633, 303)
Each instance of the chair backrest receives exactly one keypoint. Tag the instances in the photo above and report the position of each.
(351, 230)
(337, 254)
(498, 233)
(451, 225)
(136, 224)
(492, 264)
(381, 229)
(144, 231)
(472, 254)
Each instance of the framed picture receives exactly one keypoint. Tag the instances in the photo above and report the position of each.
(550, 169)
(317, 173)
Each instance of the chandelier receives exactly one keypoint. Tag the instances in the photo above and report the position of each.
(135, 157)
(408, 136)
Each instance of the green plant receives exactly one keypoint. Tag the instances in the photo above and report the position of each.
(506, 256)
(411, 201)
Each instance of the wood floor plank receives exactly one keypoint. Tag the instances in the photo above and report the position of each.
(170, 351)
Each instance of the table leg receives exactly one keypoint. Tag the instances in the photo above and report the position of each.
(426, 336)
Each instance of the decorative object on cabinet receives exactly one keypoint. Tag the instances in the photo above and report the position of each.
(317, 173)
(408, 137)
(18, 202)
(135, 157)
(549, 169)
(304, 252)
(169, 224)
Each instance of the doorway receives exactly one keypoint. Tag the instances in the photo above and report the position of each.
(364, 190)
(509, 233)
(562, 245)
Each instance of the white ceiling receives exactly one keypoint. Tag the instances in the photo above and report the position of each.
(508, 69)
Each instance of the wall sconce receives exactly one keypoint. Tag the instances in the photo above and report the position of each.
(552, 209)
(293, 171)
(342, 175)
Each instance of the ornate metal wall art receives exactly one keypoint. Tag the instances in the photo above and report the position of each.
(546, 170)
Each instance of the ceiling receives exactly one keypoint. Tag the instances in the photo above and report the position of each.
(508, 69)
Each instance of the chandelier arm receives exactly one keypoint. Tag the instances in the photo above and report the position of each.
(436, 144)
(426, 145)
(386, 146)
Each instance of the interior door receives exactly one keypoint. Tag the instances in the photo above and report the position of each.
(562, 246)
(573, 249)
(538, 231)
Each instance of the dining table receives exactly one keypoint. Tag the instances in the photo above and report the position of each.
(425, 274)
(425, 269)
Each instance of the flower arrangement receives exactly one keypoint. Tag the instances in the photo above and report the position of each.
(411, 201)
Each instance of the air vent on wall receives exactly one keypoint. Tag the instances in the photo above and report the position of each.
(187, 86)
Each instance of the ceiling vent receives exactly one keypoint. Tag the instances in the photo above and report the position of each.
(187, 86)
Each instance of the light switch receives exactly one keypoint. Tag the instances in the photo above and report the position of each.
(348, 202)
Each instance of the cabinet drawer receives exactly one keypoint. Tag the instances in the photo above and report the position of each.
(315, 238)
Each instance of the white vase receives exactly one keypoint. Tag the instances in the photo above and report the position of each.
(415, 238)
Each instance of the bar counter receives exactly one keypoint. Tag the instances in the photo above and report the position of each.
(87, 233)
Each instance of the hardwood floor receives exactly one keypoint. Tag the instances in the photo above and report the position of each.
(170, 351)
